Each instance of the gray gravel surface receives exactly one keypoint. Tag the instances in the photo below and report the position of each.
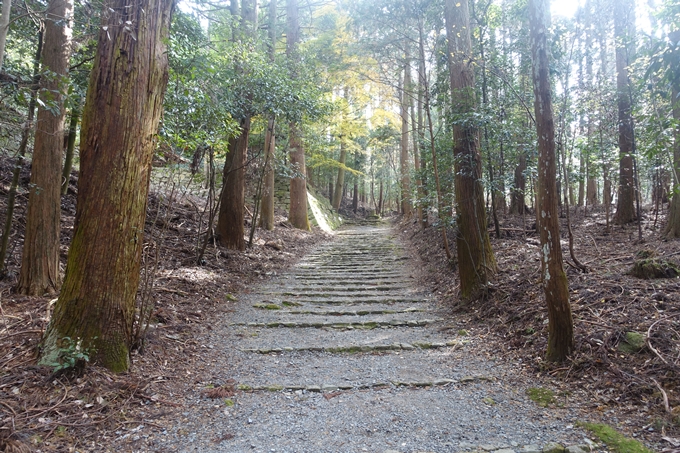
(407, 381)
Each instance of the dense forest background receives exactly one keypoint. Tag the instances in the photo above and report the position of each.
(430, 110)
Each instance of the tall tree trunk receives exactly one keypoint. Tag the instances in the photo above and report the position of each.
(355, 195)
(422, 86)
(120, 121)
(624, 26)
(340, 182)
(518, 193)
(297, 213)
(4, 28)
(415, 133)
(487, 143)
(581, 179)
(555, 285)
(21, 153)
(268, 189)
(475, 258)
(404, 169)
(672, 229)
(40, 258)
(231, 219)
(267, 209)
(591, 190)
(70, 147)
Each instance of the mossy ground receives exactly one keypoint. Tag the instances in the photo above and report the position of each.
(541, 396)
(616, 442)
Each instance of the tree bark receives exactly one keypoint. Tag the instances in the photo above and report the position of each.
(267, 209)
(340, 182)
(118, 135)
(4, 28)
(422, 168)
(21, 153)
(517, 194)
(475, 258)
(555, 285)
(404, 170)
(231, 219)
(624, 26)
(672, 229)
(40, 258)
(297, 213)
(70, 147)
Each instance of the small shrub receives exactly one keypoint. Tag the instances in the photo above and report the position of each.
(71, 356)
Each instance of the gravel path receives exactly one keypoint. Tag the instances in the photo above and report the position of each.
(346, 354)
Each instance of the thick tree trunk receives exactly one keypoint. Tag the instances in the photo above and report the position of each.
(40, 258)
(624, 25)
(591, 191)
(404, 168)
(120, 121)
(340, 182)
(231, 219)
(475, 258)
(297, 213)
(672, 229)
(555, 286)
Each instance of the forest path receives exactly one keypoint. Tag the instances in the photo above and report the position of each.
(346, 354)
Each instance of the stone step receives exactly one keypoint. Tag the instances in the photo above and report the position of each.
(389, 292)
(314, 368)
(350, 278)
(355, 348)
(326, 275)
(351, 301)
(342, 287)
(349, 268)
(332, 339)
(367, 325)
(271, 311)
(324, 388)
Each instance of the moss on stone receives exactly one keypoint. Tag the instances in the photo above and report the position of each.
(648, 266)
(291, 304)
(633, 343)
(267, 306)
(617, 442)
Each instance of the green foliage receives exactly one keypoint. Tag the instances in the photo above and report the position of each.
(71, 355)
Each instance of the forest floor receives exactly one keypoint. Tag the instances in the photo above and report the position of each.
(615, 380)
